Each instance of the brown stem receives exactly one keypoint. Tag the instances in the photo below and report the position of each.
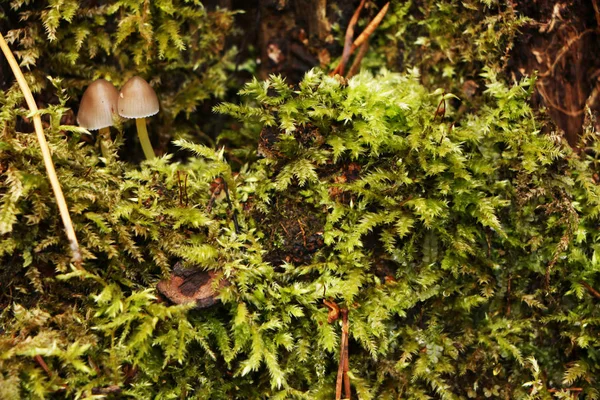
(346, 328)
(575, 389)
(334, 310)
(302, 230)
(371, 27)
(342, 375)
(356, 64)
(348, 40)
(591, 290)
(42, 364)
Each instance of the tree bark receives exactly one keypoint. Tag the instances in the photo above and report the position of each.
(561, 44)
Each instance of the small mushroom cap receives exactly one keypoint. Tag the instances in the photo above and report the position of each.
(98, 103)
(137, 99)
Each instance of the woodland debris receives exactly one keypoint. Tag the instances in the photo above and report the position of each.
(189, 285)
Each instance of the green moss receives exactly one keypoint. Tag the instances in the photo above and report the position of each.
(463, 244)
(178, 46)
(437, 237)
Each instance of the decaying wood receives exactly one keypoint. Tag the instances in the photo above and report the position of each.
(561, 44)
(187, 286)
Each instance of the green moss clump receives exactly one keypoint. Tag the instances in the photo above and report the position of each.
(449, 41)
(462, 251)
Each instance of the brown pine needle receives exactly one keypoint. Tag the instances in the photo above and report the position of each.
(39, 130)
(42, 364)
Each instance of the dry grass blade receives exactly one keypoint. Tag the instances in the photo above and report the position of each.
(39, 130)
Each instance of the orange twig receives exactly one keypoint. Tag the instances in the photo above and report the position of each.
(346, 327)
(575, 389)
(342, 376)
(356, 64)
(334, 311)
(361, 39)
(348, 40)
(591, 290)
(371, 27)
(42, 364)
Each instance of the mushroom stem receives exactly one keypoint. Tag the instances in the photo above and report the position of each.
(104, 137)
(140, 123)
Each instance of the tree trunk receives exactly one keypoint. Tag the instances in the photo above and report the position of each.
(562, 45)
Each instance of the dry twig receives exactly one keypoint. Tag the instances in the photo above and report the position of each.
(38, 359)
(371, 27)
(348, 41)
(342, 376)
(334, 311)
(359, 57)
(361, 39)
(593, 291)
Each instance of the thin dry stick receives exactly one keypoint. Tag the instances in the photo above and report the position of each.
(575, 389)
(348, 40)
(42, 364)
(342, 375)
(358, 59)
(39, 130)
(346, 327)
(371, 27)
(362, 38)
(591, 290)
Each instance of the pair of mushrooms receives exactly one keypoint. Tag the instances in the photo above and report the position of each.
(101, 101)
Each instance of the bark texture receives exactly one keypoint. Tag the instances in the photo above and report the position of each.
(562, 44)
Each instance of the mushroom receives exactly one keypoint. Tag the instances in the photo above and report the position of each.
(98, 104)
(138, 100)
